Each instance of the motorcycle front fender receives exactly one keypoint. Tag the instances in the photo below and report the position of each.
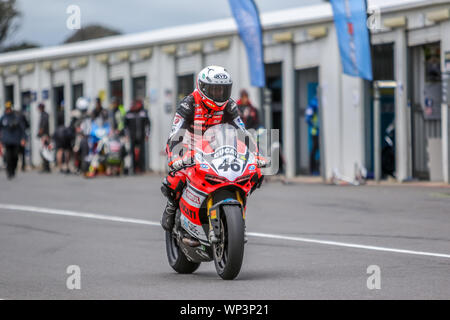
(214, 211)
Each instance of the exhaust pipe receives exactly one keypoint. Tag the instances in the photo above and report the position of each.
(190, 242)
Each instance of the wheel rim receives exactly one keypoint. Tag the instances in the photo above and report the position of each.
(173, 246)
(221, 248)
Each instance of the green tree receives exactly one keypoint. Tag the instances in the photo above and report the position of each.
(19, 46)
(8, 15)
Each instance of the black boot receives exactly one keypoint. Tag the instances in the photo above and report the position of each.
(168, 217)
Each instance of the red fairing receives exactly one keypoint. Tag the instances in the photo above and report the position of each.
(191, 201)
(206, 180)
(197, 177)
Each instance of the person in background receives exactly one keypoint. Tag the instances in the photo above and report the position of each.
(247, 112)
(312, 118)
(69, 140)
(82, 131)
(99, 112)
(117, 123)
(60, 140)
(137, 125)
(12, 136)
(44, 135)
(117, 117)
(22, 151)
(64, 138)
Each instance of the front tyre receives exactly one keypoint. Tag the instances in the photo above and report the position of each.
(229, 252)
(177, 259)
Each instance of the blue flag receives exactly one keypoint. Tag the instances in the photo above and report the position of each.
(246, 15)
(353, 37)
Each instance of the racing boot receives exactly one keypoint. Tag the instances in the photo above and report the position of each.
(168, 217)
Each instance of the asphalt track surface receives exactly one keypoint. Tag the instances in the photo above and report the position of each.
(306, 241)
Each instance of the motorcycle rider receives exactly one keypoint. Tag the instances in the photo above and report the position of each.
(208, 105)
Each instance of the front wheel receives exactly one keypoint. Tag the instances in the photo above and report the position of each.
(229, 252)
(176, 257)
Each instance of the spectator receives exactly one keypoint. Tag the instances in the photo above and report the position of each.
(12, 136)
(117, 117)
(312, 118)
(44, 135)
(247, 112)
(82, 129)
(59, 137)
(137, 125)
(99, 112)
(64, 138)
(22, 151)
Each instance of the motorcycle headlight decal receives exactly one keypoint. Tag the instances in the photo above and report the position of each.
(243, 180)
(214, 179)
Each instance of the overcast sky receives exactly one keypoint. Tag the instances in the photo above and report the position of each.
(44, 21)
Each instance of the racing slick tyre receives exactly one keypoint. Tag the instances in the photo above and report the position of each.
(229, 252)
(177, 259)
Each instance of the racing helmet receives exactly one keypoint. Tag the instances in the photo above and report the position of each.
(214, 85)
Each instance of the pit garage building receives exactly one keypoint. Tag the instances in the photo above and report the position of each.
(410, 45)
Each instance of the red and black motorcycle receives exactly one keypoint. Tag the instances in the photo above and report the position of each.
(210, 221)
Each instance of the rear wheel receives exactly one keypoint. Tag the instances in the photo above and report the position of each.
(229, 252)
(176, 257)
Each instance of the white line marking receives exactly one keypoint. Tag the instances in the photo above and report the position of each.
(253, 234)
(76, 214)
(349, 245)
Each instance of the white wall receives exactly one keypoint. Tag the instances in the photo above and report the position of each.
(162, 69)
(352, 125)
(331, 87)
(445, 109)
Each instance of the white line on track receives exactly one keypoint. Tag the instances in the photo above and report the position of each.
(76, 214)
(252, 234)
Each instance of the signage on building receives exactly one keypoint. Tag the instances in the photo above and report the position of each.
(45, 94)
(168, 101)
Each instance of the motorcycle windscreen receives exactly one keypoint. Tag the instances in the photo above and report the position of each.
(225, 149)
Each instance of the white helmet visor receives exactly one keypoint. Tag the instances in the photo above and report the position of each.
(216, 92)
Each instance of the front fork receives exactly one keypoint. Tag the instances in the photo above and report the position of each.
(213, 211)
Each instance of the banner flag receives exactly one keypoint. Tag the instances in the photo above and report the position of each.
(353, 36)
(246, 15)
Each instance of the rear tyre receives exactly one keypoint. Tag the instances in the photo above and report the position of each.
(229, 252)
(177, 259)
